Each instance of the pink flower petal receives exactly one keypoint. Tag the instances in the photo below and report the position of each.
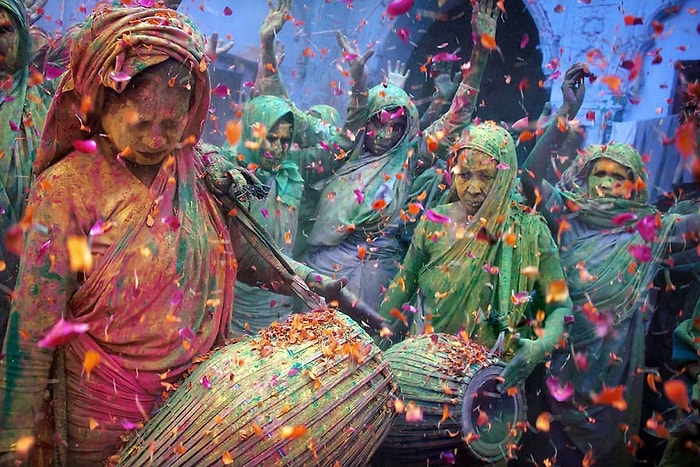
(445, 57)
(221, 90)
(558, 392)
(403, 34)
(359, 195)
(127, 425)
(647, 228)
(13, 126)
(119, 77)
(502, 166)
(62, 332)
(52, 71)
(437, 218)
(205, 382)
(641, 253)
(265, 213)
(171, 221)
(621, 219)
(228, 11)
(524, 41)
(98, 228)
(87, 145)
(186, 333)
(399, 7)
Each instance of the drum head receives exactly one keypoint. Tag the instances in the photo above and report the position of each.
(491, 421)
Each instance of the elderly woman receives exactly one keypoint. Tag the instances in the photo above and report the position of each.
(611, 243)
(483, 264)
(129, 264)
(22, 110)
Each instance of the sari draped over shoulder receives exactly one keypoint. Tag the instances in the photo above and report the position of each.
(469, 273)
(161, 288)
(609, 282)
(278, 213)
(361, 201)
(23, 108)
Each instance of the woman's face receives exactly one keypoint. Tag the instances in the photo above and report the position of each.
(9, 42)
(146, 123)
(275, 144)
(384, 130)
(609, 179)
(474, 175)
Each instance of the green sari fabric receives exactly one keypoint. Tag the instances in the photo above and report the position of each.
(23, 109)
(466, 272)
(380, 179)
(609, 288)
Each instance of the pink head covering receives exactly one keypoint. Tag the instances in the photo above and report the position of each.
(115, 44)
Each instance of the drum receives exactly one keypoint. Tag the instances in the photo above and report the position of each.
(312, 390)
(453, 412)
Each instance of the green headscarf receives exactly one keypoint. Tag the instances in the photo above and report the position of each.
(268, 110)
(600, 211)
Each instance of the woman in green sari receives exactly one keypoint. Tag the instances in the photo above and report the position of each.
(483, 265)
(611, 243)
(23, 108)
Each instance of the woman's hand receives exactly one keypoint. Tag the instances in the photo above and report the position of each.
(484, 17)
(573, 88)
(275, 19)
(398, 75)
(355, 61)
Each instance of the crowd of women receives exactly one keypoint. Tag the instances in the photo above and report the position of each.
(128, 239)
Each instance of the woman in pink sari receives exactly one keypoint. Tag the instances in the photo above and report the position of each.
(128, 264)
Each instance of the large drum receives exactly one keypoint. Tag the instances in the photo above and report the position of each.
(312, 390)
(453, 412)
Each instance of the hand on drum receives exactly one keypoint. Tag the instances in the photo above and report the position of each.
(528, 355)
(348, 302)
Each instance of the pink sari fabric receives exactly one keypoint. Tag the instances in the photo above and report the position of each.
(161, 289)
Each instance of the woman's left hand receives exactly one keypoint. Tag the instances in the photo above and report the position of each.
(528, 355)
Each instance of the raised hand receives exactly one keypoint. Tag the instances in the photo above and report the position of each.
(573, 88)
(355, 61)
(275, 19)
(216, 46)
(398, 75)
(484, 17)
(35, 10)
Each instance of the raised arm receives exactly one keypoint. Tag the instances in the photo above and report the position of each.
(357, 105)
(268, 81)
(535, 166)
(446, 86)
(463, 105)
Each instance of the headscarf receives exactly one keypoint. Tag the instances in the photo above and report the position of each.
(115, 44)
(375, 176)
(477, 256)
(267, 111)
